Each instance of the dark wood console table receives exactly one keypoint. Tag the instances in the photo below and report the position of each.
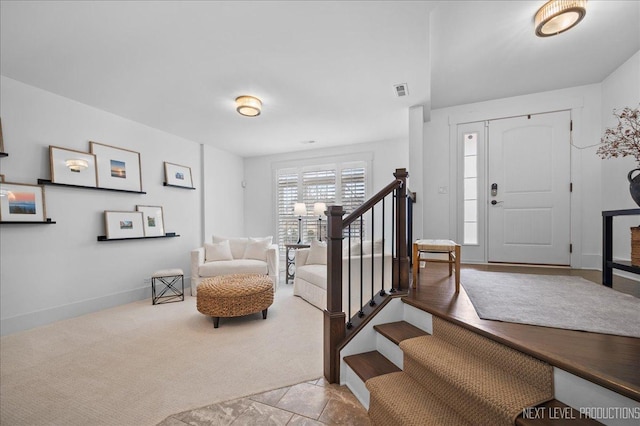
(608, 265)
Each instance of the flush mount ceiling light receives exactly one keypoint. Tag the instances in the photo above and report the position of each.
(76, 164)
(557, 16)
(248, 105)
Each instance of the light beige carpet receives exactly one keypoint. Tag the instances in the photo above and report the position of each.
(136, 364)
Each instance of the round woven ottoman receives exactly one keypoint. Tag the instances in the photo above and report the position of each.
(234, 295)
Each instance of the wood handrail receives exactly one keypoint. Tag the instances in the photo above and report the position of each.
(354, 215)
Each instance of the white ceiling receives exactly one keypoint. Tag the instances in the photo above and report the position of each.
(325, 70)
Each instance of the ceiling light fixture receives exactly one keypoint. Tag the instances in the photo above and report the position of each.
(557, 16)
(76, 164)
(248, 106)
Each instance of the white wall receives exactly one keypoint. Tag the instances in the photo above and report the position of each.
(223, 196)
(51, 272)
(260, 198)
(620, 89)
(440, 163)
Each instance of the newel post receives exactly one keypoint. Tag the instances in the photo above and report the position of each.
(402, 253)
(334, 317)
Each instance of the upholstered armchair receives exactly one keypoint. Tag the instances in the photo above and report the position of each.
(226, 256)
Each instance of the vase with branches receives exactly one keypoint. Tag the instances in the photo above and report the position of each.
(623, 140)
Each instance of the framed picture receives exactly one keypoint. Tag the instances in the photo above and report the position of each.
(1, 140)
(72, 167)
(153, 220)
(1, 178)
(117, 168)
(21, 203)
(177, 175)
(123, 224)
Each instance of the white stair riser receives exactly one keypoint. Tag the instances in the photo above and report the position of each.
(418, 318)
(357, 387)
(390, 350)
(592, 399)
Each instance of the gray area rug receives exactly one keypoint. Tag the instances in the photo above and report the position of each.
(552, 301)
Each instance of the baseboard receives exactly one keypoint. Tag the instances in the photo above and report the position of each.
(71, 310)
(591, 261)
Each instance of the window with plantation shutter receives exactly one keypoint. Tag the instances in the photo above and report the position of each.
(333, 184)
(353, 194)
(318, 186)
(287, 182)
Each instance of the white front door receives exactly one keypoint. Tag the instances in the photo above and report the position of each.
(528, 189)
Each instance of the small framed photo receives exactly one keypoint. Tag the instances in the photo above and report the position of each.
(177, 175)
(153, 220)
(123, 224)
(72, 167)
(117, 168)
(1, 178)
(21, 203)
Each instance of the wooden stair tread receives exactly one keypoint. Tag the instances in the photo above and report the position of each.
(554, 413)
(370, 364)
(399, 331)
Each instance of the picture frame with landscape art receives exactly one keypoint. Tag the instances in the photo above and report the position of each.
(153, 220)
(177, 175)
(117, 168)
(22, 202)
(120, 224)
(62, 172)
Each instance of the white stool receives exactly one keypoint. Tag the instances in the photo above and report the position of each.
(437, 246)
(168, 278)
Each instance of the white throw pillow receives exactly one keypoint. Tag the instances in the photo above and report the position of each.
(317, 253)
(257, 248)
(238, 245)
(217, 251)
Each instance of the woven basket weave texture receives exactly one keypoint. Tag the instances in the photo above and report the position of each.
(456, 377)
(635, 246)
(234, 295)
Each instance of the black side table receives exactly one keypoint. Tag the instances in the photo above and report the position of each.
(290, 254)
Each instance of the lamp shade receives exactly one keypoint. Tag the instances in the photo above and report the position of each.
(300, 209)
(557, 16)
(249, 106)
(319, 208)
(76, 164)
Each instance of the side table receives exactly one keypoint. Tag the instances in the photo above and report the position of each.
(290, 254)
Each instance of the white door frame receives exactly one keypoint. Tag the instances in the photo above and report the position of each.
(574, 105)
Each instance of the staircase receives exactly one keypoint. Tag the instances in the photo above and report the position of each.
(433, 372)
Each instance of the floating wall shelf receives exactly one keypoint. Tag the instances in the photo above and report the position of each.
(178, 186)
(104, 237)
(48, 182)
(24, 222)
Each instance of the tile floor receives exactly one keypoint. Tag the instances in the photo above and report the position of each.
(310, 403)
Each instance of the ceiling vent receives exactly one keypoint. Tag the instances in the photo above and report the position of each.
(401, 89)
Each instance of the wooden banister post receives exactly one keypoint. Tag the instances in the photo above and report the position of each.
(334, 317)
(402, 260)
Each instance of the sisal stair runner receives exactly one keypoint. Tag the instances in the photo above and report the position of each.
(458, 377)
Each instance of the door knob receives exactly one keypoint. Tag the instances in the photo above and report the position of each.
(494, 202)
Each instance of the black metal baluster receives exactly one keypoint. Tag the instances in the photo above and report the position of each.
(373, 252)
(349, 323)
(361, 312)
(382, 292)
